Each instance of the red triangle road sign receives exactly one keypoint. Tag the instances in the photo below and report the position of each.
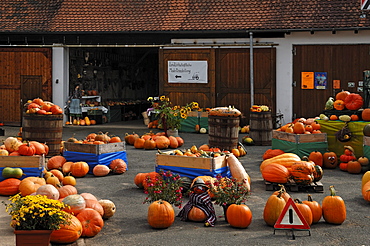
(291, 218)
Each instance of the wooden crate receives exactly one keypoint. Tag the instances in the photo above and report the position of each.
(299, 138)
(22, 161)
(294, 187)
(32, 166)
(191, 162)
(94, 148)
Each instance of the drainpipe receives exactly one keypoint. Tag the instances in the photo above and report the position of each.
(251, 66)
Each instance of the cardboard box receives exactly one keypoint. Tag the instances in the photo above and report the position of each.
(97, 149)
(299, 138)
(32, 166)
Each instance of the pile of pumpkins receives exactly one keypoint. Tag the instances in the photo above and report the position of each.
(351, 164)
(332, 208)
(86, 121)
(14, 147)
(87, 211)
(302, 126)
(58, 164)
(280, 167)
(94, 138)
(41, 107)
(151, 141)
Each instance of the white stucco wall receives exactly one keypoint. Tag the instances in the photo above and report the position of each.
(60, 75)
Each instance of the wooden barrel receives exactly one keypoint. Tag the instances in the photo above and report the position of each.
(44, 129)
(223, 132)
(260, 128)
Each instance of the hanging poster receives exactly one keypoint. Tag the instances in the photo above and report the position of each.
(320, 80)
(336, 84)
(187, 72)
(307, 80)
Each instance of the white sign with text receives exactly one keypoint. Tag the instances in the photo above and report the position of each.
(187, 72)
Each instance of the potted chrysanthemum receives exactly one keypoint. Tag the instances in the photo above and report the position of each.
(35, 214)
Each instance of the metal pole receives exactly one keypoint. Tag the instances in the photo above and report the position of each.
(251, 66)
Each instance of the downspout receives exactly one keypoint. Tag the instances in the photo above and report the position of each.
(251, 67)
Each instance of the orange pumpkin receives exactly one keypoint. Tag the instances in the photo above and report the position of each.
(365, 115)
(315, 208)
(118, 166)
(334, 208)
(56, 162)
(101, 170)
(66, 190)
(276, 173)
(239, 216)
(333, 117)
(9, 187)
(55, 109)
(139, 178)
(79, 169)
(139, 143)
(30, 185)
(197, 215)
(92, 222)
(160, 214)
(353, 101)
(68, 233)
(298, 128)
(316, 157)
(338, 105)
(273, 208)
(162, 142)
(305, 211)
(272, 153)
(342, 95)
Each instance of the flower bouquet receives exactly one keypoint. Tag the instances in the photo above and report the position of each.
(170, 117)
(228, 191)
(167, 186)
(36, 213)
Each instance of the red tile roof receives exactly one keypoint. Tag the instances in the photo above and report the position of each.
(178, 15)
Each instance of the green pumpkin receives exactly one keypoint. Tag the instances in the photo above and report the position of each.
(318, 173)
(9, 172)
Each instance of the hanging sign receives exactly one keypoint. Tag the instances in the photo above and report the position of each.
(307, 80)
(291, 218)
(187, 72)
(336, 84)
(320, 80)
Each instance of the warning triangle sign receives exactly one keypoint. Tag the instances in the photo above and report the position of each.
(291, 218)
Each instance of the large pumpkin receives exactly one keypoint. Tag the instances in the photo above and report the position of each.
(9, 187)
(76, 203)
(67, 190)
(276, 173)
(160, 214)
(315, 208)
(342, 95)
(139, 179)
(316, 157)
(79, 169)
(67, 233)
(286, 159)
(56, 162)
(91, 221)
(30, 185)
(94, 204)
(197, 215)
(49, 191)
(272, 153)
(333, 208)
(353, 101)
(305, 211)
(239, 216)
(273, 208)
(118, 166)
(101, 170)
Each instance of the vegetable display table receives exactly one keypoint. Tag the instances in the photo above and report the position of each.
(299, 144)
(356, 127)
(193, 119)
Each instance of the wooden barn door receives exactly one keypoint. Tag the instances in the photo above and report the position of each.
(24, 75)
(228, 78)
(345, 63)
(233, 78)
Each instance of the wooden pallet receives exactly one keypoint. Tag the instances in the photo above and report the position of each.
(292, 186)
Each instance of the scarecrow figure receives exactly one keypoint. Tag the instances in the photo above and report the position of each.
(199, 198)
